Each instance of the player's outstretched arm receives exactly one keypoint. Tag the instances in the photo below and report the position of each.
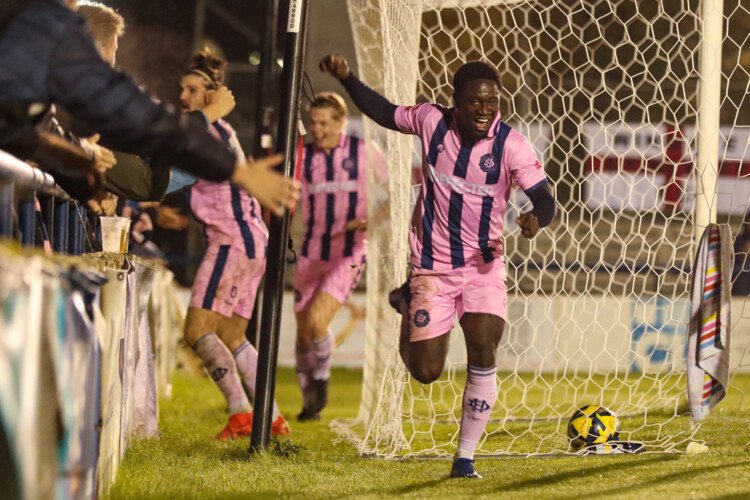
(374, 105)
(269, 187)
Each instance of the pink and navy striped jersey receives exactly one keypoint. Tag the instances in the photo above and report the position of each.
(232, 217)
(458, 218)
(334, 192)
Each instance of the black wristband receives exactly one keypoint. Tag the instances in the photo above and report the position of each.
(544, 204)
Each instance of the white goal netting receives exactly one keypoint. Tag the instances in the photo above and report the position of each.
(608, 93)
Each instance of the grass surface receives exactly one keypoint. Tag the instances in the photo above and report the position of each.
(187, 463)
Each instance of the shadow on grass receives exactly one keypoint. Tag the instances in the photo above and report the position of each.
(578, 473)
(281, 448)
(237, 454)
(410, 488)
(674, 477)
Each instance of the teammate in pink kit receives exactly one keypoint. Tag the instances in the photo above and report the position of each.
(470, 161)
(227, 280)
(334, 245)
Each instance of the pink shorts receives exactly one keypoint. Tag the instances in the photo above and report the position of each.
(336, 278)
(227, 281)
(437, 296)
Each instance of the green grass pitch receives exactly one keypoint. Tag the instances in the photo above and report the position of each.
(187, 463)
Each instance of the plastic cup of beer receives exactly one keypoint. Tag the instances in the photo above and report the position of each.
(115, 234)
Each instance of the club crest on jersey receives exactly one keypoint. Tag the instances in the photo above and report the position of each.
(487, 163)
(421, 318)
(441, 148)
(347, 164)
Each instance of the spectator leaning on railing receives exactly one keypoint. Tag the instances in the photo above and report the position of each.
(131, 176)
(47, 56)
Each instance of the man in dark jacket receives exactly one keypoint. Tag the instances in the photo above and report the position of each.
(47, 56)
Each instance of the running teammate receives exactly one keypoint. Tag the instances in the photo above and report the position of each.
(227, 280)
(334, 246)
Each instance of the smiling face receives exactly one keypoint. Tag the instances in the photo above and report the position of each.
(193, 95)
(325, 128)
(476, 108)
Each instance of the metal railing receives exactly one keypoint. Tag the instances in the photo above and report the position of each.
(20, 186)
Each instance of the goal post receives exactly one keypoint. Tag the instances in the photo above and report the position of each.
(629, 127)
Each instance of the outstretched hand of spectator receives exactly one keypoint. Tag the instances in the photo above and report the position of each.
(270, 188)
(219, 103)
(104, 204)
(529, 224)
(336, 65)
(104, 158)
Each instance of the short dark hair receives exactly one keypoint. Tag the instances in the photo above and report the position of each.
(474, 70)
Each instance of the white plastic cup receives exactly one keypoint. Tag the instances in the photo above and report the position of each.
(115, 234)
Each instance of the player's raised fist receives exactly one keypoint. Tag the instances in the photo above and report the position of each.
(336, 65)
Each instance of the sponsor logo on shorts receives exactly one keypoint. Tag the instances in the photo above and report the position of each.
(421, 318)
(297, 295)
(233, 293)
(487, 163)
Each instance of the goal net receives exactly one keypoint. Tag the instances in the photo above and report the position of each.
(599, 302)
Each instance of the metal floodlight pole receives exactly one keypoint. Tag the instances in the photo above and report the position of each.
(709, 119)
(268, 345)
(263, 142)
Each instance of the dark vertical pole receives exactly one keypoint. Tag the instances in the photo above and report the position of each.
(82, 220)
(60, 231)
(268, 345)
(264, 116)
(48, 215)
(75, 231)
(27, 221)
(6, 209)
(267, 85)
